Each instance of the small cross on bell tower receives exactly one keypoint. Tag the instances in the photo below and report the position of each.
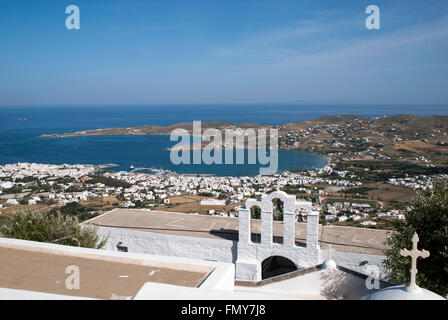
(414, 254)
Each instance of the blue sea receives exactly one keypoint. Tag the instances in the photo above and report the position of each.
(20, 141)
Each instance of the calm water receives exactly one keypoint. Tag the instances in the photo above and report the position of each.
(20, 142)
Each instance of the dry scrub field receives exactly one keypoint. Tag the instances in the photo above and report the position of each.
(192, 203)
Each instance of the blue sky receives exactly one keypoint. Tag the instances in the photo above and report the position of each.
(260, 51)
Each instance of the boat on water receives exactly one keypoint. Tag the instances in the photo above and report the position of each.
(131, 167)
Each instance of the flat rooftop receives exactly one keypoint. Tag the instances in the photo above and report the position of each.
(347, 239)
(40, 269)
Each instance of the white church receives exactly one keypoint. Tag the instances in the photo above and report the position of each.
(154, 255)
(259, 264)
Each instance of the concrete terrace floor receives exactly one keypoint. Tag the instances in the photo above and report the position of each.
(306, 287)
(46, 272)
(345, 239)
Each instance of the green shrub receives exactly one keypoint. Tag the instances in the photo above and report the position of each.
(429, 218)
(53, 228)
(74, 209)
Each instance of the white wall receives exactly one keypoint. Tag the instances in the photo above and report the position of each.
(251, 255)
(352, 261)
(249, 265)
(170, 245)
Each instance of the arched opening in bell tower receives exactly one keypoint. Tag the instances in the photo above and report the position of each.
(300, 227)
(255, 224)
(277, 223)
(276, 265)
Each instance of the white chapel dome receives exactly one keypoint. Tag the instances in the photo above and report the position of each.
(411, 291)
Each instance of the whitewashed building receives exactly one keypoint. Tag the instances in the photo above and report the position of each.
(186, 235)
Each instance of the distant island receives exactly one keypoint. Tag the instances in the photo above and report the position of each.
(158, 130)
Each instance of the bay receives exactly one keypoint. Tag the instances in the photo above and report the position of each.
(20, 141)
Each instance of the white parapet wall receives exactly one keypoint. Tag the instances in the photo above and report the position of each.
(227, 251)
(367, 264)
(170, 245)
(245, 254)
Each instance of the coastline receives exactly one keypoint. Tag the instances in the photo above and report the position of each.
(400, 138)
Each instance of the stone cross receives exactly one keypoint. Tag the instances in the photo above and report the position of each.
(414, 254)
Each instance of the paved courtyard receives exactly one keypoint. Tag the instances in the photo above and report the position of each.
(99, 278)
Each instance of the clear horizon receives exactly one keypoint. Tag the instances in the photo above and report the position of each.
(216, 104)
